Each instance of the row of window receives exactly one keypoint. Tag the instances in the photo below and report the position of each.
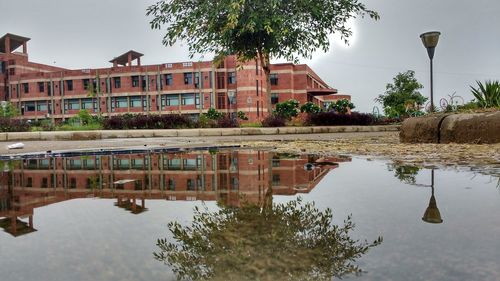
(116, 82)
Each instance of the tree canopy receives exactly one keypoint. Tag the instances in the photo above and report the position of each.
(402, 97)
(255, 28)
(292, 241)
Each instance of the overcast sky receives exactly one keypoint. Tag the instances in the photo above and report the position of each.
(88, 33)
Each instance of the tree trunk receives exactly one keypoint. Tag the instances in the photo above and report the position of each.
(266, 66)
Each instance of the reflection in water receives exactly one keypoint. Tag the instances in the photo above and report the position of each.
(292, 241)
(407, 174)
(228, 177)
(432, 214)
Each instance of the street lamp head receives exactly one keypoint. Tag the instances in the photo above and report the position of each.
(430, 40)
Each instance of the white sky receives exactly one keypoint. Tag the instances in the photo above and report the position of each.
(87, 34)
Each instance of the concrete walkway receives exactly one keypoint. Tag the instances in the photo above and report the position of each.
(124, 134)
(62, 145)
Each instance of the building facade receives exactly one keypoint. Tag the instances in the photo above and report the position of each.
(47, 92)
(231, 178)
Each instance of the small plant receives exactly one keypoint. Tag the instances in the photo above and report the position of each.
(242, 115)
(342, 106)
(287, 109)
(487, 94)
(13, 125)
(310, 107)
(8, 110)
(213, 114)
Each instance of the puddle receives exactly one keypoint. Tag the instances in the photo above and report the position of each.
(210, 215)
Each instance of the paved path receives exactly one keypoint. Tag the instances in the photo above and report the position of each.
(38, 146)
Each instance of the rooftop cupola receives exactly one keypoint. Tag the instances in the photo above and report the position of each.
(127, 59)
(10, 42)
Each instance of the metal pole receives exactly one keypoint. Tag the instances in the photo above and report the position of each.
(432, 89)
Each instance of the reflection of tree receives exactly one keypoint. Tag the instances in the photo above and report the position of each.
(404, 173)
(292, 241)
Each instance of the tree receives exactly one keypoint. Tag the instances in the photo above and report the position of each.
(8, 110)
(287, 109)
(310, 107)
(402, 98)
(256, 29)
(291, 241)
(342, 106)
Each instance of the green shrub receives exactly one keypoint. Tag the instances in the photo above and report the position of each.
(342, 106)
(487, 94)
(310, 107)
(287, 109)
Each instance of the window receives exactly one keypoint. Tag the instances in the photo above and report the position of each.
(73, 104)
(274, 98)
(2, 67)
(86, 84)
(117, 81)
(41, 87)
(29, 182)
(29, 106)
(187, 99)
(89, 104)
(231, 78)
(276, 180)
(169, 80)
(69, 85)
(197, 80)
(221, 101)
(190, 184)
(172, 100)
(257, 87)
(45, 182)
(49, 88)
(276, 162)
(135, 81)
(274, 79)
(26, 88)
(135, 102)
(188, 78)
(258, 109)
(190, 164)
(121, 102)
(144, 83)
(41, 106)
(174, 164)
(72, 183)
(171, 184)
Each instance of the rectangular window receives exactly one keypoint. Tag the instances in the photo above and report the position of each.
(41, 106)
(2, 67)
(86, 84)
(169, 80)
(135, 81)
(197, 80)
(121, 102)
(188, 78)
(171, 184)
(144, 83)
(117, 81)
(135, 102)
(45, 182)
(274, 79)
(258, 109)
(89, 104)
(172, 100)
(274, 98)
(276, 180)
(49, 88)
(190, 184)
(231, 78)
(221, 101)
(26, 88)
(187, 99)
(29, 106)
(72, 104)
(69, 85)
(41, 87)
(29, 182)
(257, 87)
(174, 164)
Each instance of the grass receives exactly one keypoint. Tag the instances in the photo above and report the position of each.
(251, 125)
(76, 127)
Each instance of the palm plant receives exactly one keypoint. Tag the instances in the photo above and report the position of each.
(487, 94)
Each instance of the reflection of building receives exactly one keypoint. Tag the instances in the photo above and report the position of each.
(44, 91)
(229, 177)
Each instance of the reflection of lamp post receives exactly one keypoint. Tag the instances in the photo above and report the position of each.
(430, 41)
(432, 214)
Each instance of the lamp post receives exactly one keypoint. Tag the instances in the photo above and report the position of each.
(432, 214)
(430, 40)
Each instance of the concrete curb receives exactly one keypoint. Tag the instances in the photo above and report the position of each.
(114, 134)
(452, 128)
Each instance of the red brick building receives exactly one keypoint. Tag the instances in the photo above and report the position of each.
(47, 92)
(228, 177)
